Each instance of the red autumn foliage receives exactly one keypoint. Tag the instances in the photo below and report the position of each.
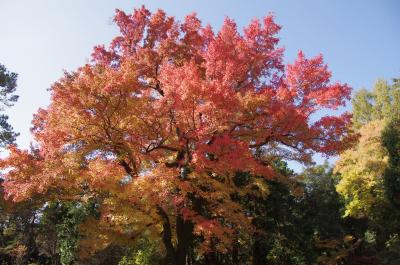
(180, 109)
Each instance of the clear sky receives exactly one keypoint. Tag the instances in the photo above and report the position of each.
(360, 40)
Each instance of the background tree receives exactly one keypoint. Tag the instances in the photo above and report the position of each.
(391, 141)
(383, 102)
(19, 232)
(361, 169)
(15, 220)
(8, 85)
(367, 171)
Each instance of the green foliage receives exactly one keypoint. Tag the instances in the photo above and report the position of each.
(369, 174)
(361, 173)
(18, 232)
(383, 102)
(284, 252)
(65, 217)
(323, 205)
(35, 232)
(143, 254)
(67, 231)
(288, 221)
(391, 141)
(8, 85)
(392, 252)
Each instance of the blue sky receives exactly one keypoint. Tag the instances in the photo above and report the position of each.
(360, 40)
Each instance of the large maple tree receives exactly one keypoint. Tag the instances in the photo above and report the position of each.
(159, 123)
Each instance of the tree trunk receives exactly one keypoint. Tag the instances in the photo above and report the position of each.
(258, 252)
(210, 258)
(184, 235)
(184, 232)
(167, 236)
(235, 253)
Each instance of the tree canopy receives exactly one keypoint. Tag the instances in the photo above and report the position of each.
(174, 139)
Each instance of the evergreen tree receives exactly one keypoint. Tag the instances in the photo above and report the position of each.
(8, 85)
